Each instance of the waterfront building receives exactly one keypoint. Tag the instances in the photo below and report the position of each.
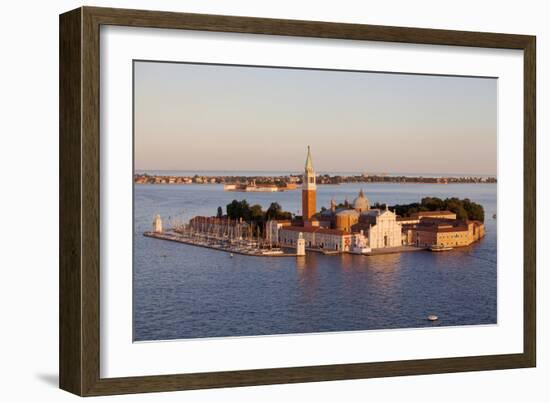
(316, 238)
(157, 224)
(253, 187)
(434, 214)
(356, 227)
(415, 218)
(346, 219)
(407, 221)
(261, 188)
(386, 231)
(309, 189)
(448, 233)
(382, 228)
(272, 229)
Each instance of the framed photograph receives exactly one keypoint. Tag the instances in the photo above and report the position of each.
(248, 201)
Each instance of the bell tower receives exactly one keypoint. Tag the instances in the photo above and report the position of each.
(309, 189)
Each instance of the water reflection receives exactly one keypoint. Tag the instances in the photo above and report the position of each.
(306, 269)
(385, 272)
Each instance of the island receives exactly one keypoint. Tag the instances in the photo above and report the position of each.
(293, 181)
(358, 227)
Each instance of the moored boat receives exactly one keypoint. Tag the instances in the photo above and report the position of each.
(440, 248)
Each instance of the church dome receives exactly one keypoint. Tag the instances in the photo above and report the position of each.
(361, 203)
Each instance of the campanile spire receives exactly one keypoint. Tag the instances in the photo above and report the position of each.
(309, 162)
(309, 189)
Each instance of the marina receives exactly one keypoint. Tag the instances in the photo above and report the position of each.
(254, 249)
(238, 247)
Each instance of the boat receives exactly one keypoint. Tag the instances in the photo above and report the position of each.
(272, 252)
(440, 248)
(358, 250)
(330, 252)
(432, 318)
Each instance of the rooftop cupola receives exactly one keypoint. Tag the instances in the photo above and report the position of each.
(361, 203)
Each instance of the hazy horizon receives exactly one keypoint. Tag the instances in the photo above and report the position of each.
(192, 117)
(299, 171)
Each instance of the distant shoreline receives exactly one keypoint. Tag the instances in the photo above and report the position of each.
(296, 180)
(268, 173)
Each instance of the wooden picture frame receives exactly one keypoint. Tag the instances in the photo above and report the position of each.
(79, 347)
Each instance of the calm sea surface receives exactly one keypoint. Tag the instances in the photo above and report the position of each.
(183, 291)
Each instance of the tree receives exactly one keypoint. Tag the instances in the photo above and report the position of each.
(456, 207)
(256, 213)
(432, 203)
(238, 209)
(273, 211)
(220, 212)
(464, 209)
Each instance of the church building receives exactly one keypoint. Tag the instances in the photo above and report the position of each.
(344, 229)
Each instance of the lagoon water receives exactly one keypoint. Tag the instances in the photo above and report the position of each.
(183, 291)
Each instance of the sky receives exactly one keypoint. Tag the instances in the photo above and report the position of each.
(235, 118)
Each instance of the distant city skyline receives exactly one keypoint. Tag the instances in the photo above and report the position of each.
(192, 117)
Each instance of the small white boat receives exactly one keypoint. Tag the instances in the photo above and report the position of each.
(230, 255)
(271, 252)
(432, 318)
(361, 250)
(440, 248)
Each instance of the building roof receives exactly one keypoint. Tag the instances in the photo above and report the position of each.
(316, 230)
(477, 222)
(432, 213)
(345, 212)
(373, 212)
(443, 225)
(453, 229)
(438, 220)
(406, 219)
(332, 231)
(435, 228)
(284, 222)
